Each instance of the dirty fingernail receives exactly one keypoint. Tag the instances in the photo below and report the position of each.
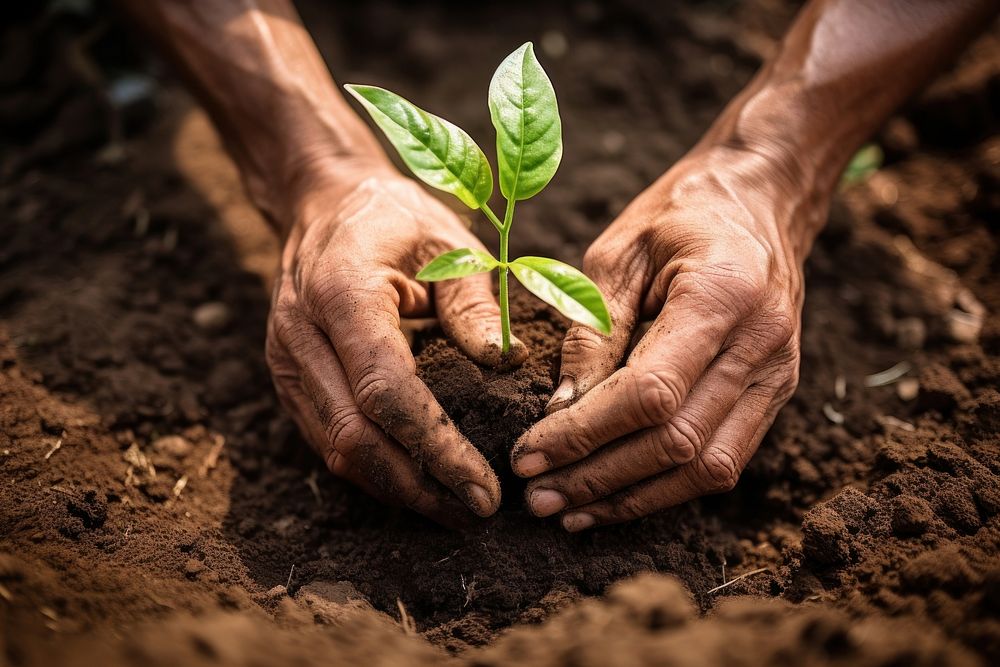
(577, 521)
(545, 502)
(562, 395)
(477, 499)
(530, 465)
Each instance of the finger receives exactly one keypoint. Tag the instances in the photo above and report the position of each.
(716, 470)
(588, 356)
(471, 317)
(301, 409)
(363, 322)
(654, 450)
(355, 447)
(647, 392)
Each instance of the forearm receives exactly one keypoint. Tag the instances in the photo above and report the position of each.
(255, 68)
(841, 70)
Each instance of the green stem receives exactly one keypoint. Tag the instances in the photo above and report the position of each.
(504, 302)
(504, 229)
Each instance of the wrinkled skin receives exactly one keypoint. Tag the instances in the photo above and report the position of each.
(343, 367)
(709, 253)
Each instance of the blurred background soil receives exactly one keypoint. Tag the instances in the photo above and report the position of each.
(156, 506)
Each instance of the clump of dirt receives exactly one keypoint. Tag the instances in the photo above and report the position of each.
(493, 408)
(158, 507)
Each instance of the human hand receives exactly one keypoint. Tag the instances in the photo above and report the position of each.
(713, 251)
(340, 362)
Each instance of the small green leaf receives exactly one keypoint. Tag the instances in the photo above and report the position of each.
(864, 163)
(564, 288)
(529, 133)
(439, 153)
(457, 264)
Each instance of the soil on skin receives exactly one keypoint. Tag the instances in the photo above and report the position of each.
(157, 507)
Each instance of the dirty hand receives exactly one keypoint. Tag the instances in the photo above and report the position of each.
(343, 367)
(712, 251)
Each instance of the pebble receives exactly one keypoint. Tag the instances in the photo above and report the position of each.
(212, 316)
(907, 389)
(193, 566)
(173, 445)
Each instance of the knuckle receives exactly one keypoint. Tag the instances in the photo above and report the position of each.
(345, 429)
(580, 342)
(724, 289)
(780, 327)
(593, 488)
(374, 393)
(683, 442)
(718, 470)
(630, 505)
(659, 395)
(575, 441)
(336, 462)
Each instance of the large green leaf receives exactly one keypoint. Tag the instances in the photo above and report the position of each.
(529, 133)
(458, 263)
(439, 153)
(564, 288)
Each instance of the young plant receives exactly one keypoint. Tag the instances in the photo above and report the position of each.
(529, 147)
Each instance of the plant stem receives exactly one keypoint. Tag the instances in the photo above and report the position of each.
(504, 302)
(504, 229)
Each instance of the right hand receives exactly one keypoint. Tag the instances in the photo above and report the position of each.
(342, 366)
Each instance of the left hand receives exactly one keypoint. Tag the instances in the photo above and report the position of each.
(714, 251)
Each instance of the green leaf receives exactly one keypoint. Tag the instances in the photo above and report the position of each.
(529, 133)
(564, 288)
(864, 163)
(439, 153)
(457, 264)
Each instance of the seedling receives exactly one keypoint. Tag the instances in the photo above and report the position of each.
(523, 107)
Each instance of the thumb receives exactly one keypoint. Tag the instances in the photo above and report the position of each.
(469, 314)
(589, 357)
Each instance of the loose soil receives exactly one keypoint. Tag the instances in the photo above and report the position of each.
(157, 507)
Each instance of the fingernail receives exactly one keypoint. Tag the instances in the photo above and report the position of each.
(530, 465)
(477, 499)
(562, 395)
(545, 502)
(577, 521)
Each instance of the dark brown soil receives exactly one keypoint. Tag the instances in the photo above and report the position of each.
(156, 507)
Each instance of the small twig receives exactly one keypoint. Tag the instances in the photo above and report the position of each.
(446, 558)
(128, 530)
(739, 578)
(179, 486)
(470, 591)
(290, 573)
(55, 448)
(888, 376)
(890, 421)
(213, 456)
(409, 627)
(724, 570)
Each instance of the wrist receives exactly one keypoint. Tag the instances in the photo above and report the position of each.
(768, 141)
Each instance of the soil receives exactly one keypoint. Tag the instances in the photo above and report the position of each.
(157, 507)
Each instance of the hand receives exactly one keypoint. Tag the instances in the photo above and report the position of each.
(713, 251)
(340, 362)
